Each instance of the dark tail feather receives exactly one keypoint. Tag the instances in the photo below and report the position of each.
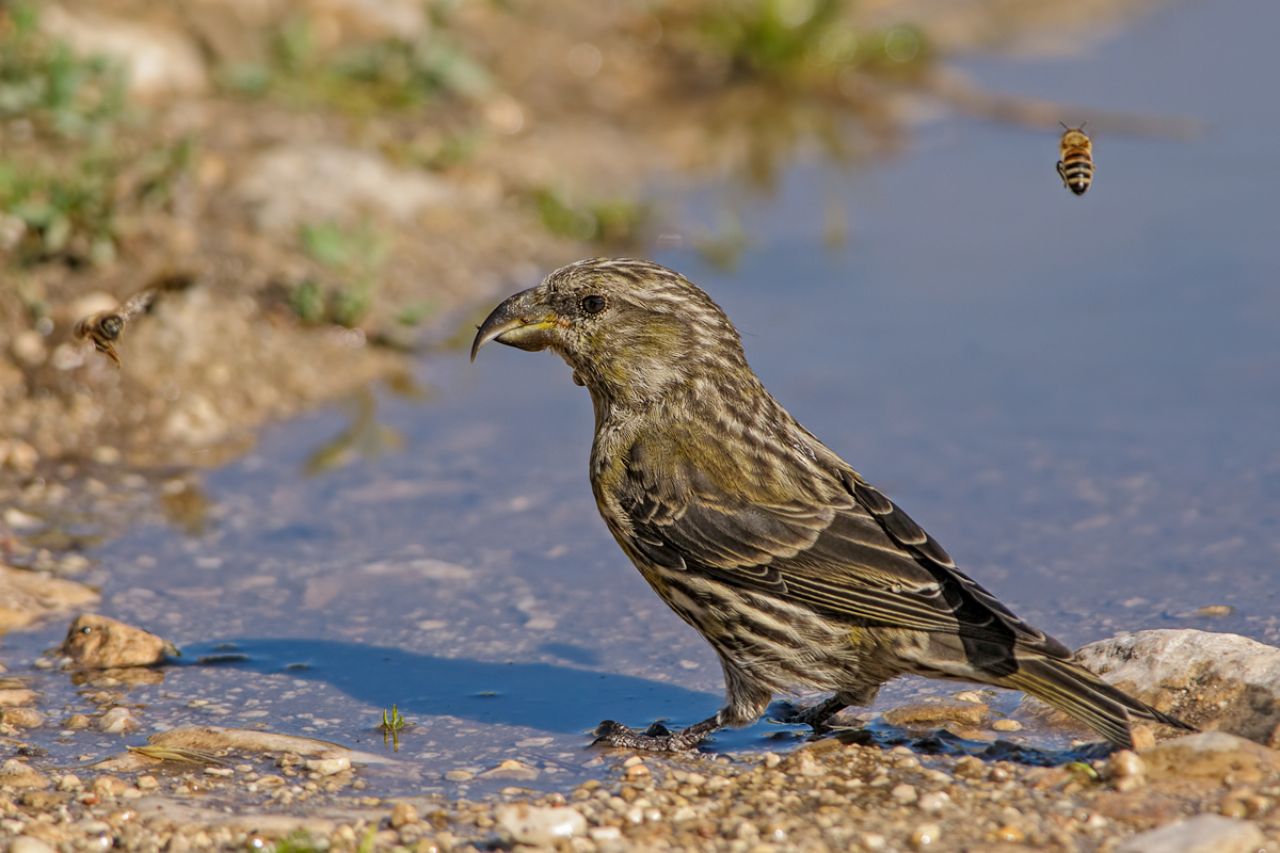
(1074, 690)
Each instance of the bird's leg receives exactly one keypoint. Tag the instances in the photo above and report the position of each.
(818, 715)
(657, 739)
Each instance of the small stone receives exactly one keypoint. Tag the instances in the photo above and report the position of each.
(933, 801)
(23, 718)
(1010, 833)
(117, 721)
(904, 793)
(1202, 834)
(1007, 726)
(99, 642)
(925, 834)
(1212, 611)
(77, 721)
(511, 769)
(874, 841)
(148, 783)
(109, 786)
(70, 782)
(403, 814)
(16, 774)
(1126, 769)
(1142, 736)
(329, 766)
(459, 776)
(540, 825)
(937, 713)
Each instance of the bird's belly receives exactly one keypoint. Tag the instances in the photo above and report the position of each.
(779, 644)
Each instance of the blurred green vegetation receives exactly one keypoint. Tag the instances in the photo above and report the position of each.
(352, 257)
(801, 42)
(379, 76)
(614, 222)
(44, 83)
(69, 210)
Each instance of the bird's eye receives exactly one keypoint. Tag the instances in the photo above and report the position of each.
(593, 304)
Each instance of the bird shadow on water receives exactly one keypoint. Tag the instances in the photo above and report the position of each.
(546, 696)
(562, 699)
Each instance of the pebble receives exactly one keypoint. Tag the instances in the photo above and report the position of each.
(328, 766)
(1007, 726)
(117, 721)
(904, 793)
(23, 718)
(934, 801)
(1203, 834)
(925, 834)
(403, 814)
(540, 825)
(1126, 769)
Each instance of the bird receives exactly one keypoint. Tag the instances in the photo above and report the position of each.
(799, 572)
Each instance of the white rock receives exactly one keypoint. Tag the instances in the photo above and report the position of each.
(159, 61)
(1228, 681)
(293, 185)
(540, 825)
(1203, 834)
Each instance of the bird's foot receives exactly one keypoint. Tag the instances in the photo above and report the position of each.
(656, 738)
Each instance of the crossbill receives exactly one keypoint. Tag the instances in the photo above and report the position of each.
(799, 572)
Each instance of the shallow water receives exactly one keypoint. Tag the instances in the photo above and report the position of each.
(1079, 397)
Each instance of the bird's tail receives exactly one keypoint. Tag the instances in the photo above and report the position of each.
(1074, 690)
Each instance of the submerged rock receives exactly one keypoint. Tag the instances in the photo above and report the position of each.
(100, 642)
(1211, 680)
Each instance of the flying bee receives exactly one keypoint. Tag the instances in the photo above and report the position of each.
(1076, 164)
(105, 327)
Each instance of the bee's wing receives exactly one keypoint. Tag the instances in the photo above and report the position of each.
(1062, 173)
(137, 304)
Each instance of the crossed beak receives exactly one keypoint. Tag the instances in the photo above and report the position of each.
(521, 321)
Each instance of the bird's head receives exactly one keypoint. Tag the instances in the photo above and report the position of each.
(631, 330)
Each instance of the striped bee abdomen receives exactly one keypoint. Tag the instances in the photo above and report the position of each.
(1075, 165)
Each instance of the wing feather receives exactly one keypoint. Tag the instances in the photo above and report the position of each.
(852, 554)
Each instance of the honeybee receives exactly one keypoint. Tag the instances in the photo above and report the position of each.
(1076, 164)
(105, 327)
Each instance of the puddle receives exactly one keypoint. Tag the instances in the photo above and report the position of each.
(1079, 397)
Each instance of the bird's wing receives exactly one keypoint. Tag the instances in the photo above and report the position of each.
(853, 554)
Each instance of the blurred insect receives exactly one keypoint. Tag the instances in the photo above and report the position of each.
(1076, 164)
(105, 327)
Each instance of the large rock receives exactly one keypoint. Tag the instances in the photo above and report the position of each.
(1211, 680)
